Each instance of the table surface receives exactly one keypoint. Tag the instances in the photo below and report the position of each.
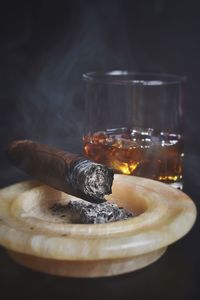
(173, 276)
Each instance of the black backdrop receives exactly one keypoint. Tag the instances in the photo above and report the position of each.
(45, 46)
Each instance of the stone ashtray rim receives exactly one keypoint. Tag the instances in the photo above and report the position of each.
(123, 246)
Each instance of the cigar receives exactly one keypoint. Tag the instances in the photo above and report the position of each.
(64, 171)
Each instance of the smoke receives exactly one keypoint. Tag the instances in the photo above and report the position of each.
(51, 48)
(46, 47)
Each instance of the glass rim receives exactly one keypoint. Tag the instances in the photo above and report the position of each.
(123, 77)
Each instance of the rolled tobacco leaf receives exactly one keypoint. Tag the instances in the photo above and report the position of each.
(62, 170)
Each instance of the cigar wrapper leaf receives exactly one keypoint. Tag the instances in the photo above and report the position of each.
(62, 170)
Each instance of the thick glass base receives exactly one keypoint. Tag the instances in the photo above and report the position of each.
(178, 185)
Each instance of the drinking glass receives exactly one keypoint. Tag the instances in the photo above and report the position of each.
(134, 124)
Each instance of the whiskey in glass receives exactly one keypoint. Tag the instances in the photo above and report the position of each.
(134, 124)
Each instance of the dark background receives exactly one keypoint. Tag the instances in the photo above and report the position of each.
(45, 46)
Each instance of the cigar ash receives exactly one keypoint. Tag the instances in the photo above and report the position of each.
(82, 212)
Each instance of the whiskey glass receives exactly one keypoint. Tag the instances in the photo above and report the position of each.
(134, 123)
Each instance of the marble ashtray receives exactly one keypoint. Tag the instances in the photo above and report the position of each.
(40, 240)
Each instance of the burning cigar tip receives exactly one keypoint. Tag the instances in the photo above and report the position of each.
(97, 178)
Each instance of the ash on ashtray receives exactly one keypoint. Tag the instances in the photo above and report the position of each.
(89, 213)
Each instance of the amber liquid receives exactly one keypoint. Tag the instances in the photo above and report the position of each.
(146, 153)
